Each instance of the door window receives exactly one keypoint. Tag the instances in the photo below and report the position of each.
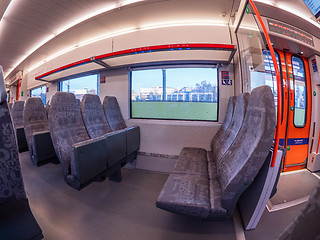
(300, 90)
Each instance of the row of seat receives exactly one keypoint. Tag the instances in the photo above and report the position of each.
(91, 141)
(208, 184)
(86, 151)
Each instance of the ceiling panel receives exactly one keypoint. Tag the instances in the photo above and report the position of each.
(30, 22)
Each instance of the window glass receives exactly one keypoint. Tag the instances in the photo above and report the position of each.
(40, 92)
(175, 93)
(299, 92)
(80, 86)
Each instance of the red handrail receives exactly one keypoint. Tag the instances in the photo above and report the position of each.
(274, 60)
(318, 142)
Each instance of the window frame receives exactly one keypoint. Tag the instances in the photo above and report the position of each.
(41, 86)
(60, 82)
(174, 67)
(294, 92)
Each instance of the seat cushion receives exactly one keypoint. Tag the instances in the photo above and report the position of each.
(215, 199)
(192, 161)
(185, 194)
(212, 170)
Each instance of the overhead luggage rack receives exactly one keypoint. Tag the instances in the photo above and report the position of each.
(208, 53)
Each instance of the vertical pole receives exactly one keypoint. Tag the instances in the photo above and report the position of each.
(279, 93)
(164, 85)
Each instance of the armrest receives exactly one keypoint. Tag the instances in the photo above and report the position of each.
(94, 156)
(116, 146)
(133, 139)
(42, 145)
(89, 158)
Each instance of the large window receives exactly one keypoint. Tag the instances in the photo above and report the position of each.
(40, 92)
(175, 93)
(80, 86)
(299, 92)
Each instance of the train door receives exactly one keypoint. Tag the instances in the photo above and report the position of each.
(296, 110)
(296, 100)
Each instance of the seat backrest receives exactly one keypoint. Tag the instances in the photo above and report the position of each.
(66, 127)
(243, 160)
(226, 122)
(232, 131)
(17, 113)
(93, 116)
(112, 111)
(34, 118)
(11, 183)
(10, 106)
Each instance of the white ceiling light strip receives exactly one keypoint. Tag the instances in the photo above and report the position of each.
(110, 35)
(108, 8)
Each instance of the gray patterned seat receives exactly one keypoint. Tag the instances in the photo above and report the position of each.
(113, 113)
(17, 118)
(93, 116)
(226, 122)
(240, 108)
(16, 219)
(115, 120)
(97, 126)
(83, 160)
(216, 195)
(37, 131)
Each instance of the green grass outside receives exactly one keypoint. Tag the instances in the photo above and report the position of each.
(175, 110)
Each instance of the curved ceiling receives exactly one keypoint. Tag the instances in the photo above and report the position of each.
(31, 31)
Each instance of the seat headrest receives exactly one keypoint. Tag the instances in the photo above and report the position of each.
(3, 92)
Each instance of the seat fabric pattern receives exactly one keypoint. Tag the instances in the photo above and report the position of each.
(93, 116)
(10, 106)
(192, 161)
(35, 119)
(186, 194)
(11, 183)
(226, 122)
(241, 163)
(215, 198)
(231, 133)
(17, 114)
(112, 111)
(66, 127)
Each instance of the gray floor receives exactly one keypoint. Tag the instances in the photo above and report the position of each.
(294, 185)
(272, 224)
(109, 210)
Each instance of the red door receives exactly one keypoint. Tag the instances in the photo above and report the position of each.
(297, 108)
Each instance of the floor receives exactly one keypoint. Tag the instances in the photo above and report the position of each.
(292, 186)
(126, 210)
(109, 210)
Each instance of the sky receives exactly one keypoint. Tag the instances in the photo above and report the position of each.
(176, 77)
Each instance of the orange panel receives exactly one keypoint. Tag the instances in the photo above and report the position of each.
(297, 137)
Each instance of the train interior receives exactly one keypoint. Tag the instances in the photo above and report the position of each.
(159, 119)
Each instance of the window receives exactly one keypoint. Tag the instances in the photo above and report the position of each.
(40, 92)
(80, 86)
(300, 90)
(265, 75)
(175, 93)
